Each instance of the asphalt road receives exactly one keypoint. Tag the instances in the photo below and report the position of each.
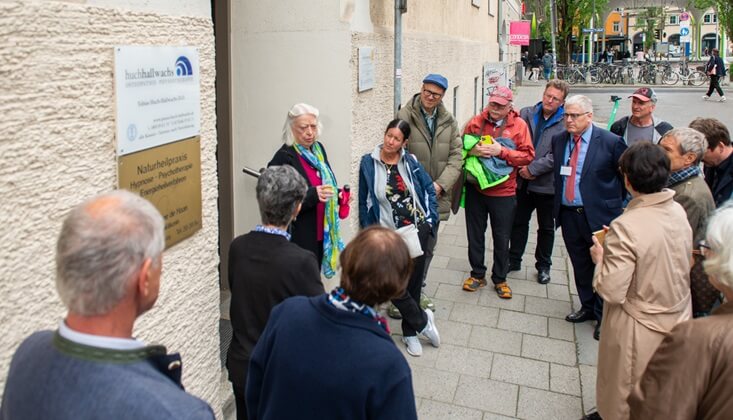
(678, 106)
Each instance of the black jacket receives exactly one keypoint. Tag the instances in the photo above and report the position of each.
(264, 270)
(304, 226)
(660, 127)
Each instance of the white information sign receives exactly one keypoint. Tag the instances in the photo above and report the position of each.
(158, 93)
(366, 68)
(685, 31)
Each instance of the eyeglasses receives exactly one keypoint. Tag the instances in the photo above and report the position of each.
(574, 116)
(704, 248)
(431, 94)
(552, 98)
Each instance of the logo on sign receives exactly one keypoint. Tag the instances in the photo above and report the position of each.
(684, 31)
(183, 66)
(684, 16)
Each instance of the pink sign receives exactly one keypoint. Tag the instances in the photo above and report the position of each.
(519, 32)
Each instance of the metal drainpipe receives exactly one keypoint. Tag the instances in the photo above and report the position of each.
(400, 7)
(500, 29)
(553, 22)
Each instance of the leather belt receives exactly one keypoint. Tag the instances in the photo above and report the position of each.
(579, 210)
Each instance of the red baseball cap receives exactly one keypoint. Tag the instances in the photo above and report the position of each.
(502, 95)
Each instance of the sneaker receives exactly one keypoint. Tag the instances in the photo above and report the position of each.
(414, 348)
(705, 97)
(426, 303)
(393, 312)
(515, 266)
(503, 290)
(431, 331)
(722, 99)
(472, 284)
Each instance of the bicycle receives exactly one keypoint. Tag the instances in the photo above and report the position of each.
(687, 76)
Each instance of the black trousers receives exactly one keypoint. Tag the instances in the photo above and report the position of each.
(578, 239)
(239, 401)
(500, 211)
(429, 250)
(715, 85)
(527, 202)
(414, 319)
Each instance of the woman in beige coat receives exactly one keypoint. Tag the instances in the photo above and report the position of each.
(642, 274)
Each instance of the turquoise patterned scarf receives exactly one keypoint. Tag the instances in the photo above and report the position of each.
(332, 244)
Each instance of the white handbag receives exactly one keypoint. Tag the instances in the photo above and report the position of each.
(411, 237)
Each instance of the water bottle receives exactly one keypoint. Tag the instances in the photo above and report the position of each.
(344, 202)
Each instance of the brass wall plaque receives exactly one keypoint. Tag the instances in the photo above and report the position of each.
(169, 176)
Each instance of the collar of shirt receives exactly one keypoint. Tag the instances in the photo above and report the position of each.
(272, 231)
(99, 341)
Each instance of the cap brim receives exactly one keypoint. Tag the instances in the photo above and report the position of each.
(499, 100)
(640, 97)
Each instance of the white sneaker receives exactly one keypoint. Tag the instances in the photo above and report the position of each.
(705, 97)
(431, 331)
(414, 348)
(722, 99)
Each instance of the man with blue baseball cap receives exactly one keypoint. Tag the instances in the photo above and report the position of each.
(435, 141)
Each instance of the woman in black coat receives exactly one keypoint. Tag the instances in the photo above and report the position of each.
(715, 68)
(317, 226)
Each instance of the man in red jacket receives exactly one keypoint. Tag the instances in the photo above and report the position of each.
(499, 202)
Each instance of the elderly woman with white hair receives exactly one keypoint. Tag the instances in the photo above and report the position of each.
(317, 226)
(691, 375)
(685, 148)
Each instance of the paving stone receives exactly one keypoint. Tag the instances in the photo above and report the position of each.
(460, 265)
(587, 345)
(448, 250)
(465, 360)
(433, 384)
(443, 308)
(546, 307)
(430, 288)
(559, 277)
(558, 292)
(455, 293)
(461, 240)
(545, 405)
(446, 276)
(434, 410)
(565, 379)
(549, 350)
(429, 353)
(418, 403)
(521, 371)
(495, 340)
(452, 332)
(519, 274)
(448, 238)
(521, 322)
(489, 297)
(559, 263)
(454, 230)
(561, 329)
(488, 395)
(474, 314)
(492, 416)
(439, 261)
(588, 386)
(529, 288)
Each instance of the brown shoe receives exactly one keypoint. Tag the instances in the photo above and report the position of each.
(503, 290)
(472, 284)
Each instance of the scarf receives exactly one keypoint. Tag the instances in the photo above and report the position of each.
(678, 176)
(332, 244)
(339, 299)
(272, 231)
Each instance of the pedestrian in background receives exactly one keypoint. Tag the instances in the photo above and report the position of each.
(642, 275)
(547, 63)
(109, 261)
(685, 148)
(718, 158)
(317, 227)
(435, 142)
(396, 192)
(512, 143)
(265, 268)
(690, 375)
(715, 69)
(331, 356)
(535, 184)
(589, 193)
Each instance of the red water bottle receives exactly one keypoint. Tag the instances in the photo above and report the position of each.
(344, 202)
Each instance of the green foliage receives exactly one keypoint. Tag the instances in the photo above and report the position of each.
(648, 20)
(723, 8)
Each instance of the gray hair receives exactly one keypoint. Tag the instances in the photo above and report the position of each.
(102, 245)
(689, 140)
(296, 111)
(279, 191)
(720, 230)
(582, 101)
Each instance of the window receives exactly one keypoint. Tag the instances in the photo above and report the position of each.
(476, 3)
(710, 18)
(455, 103)
(673, 20)
(491, 11)
(617, 26)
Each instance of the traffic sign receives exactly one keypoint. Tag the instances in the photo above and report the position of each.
(684, 31)
(684, 16)
(592, 30)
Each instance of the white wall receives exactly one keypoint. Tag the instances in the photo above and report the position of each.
(58, 148)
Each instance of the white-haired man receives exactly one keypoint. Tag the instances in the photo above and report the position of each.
(108, 268)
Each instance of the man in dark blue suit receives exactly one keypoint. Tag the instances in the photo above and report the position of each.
(589, 193)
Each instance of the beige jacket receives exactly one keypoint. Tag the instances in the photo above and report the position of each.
(691, 374)
(644, 280)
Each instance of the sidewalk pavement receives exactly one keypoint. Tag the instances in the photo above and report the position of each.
(503, 359)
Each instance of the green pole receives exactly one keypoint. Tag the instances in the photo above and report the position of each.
(612, 118)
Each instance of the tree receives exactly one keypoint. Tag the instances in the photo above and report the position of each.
(650, 20)
(724, 10)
